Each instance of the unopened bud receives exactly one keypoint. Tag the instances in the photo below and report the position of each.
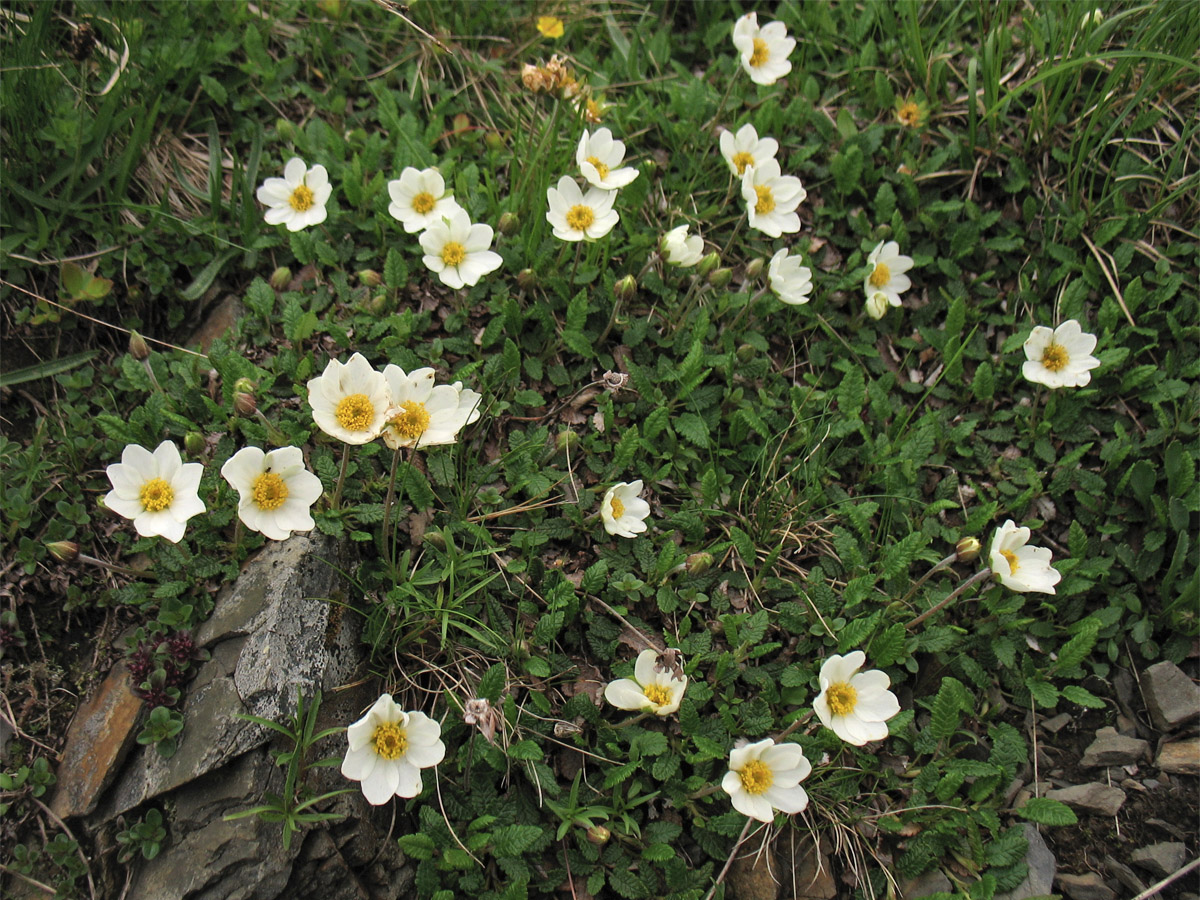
(566, 440)
(494, 140)
(598, 835)
(509, 223)
(462, 122)
(370, 278)
(281, 278)
(720, 278)
(138, 348)
(526, 279)
(244, 404)
(245, 385)
(63, 551)
(377, 305)
(436, 539)
(754, 268)
(699, 563)
(285, 130)
(708, 264)
(194, 443)
(877, 305)
(967, 549)
(625, 289)
(745, 353)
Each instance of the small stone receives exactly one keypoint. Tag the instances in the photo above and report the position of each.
(1162, 859)
(1126, 725)
(934, 882)
(1180, 757)
(813, 874)
(1125, 875)
(1085, 887)
(1172, 697)
(1094, 798)
(1113, 749)
(751, 876)
(1058, 723)
(1042, 867)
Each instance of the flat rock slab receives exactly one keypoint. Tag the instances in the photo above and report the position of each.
(1171, 696)
(1180, 757)
(1113, 749)
(1042, 868)
(1093, 799)
(1162, 859)
(1089, 886)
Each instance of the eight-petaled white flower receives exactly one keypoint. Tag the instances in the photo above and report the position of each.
(423, 414)
(1060, 357)
(350, 402)
(388, 749)
(654, 688)
(419, 199)
(623, 511)
(764, 51)
(1018, 566)
(856, 705)
(791, 281)
(158, 490)
(298, 199)
(885, 273)
(276, 490)
(746, 149)
(771, 199)
(459, 251)
(599, 157)
(576, 216)
(765, 776)
(681, 250)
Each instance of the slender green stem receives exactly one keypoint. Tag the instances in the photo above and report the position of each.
(732, 326)
(575, 265)
(387, 503)
(924, 578)
(336, 503)
(113, 567)
(983, 573)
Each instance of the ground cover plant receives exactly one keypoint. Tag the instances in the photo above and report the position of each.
(744, 416)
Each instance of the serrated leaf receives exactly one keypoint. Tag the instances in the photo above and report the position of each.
(901, 554)
(1045, 811)
(1043, 692)
(1082, 697)
(513, 840)
(693, 428)
(491, 685)
(947, 708)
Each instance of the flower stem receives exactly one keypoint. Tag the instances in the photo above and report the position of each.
(336, 503)
(113, 567)
(924, 578)
(575, 265)
(387, 503)
(983, 573)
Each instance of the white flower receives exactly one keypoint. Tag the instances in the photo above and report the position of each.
(422, 414)
(576, 216)
(855, 706)
(599, 157)
(388, 750)
(791, 281)
(653, 687)
(772, 198)
(680, 250)
(886, 273)
(764, 776)
(765, 50)
(458, 251)
(1018, 566)
(419, 199)
(877, 304)
(623, 511)
(298, 199)
(157, 490)
(350, 402)
(1060, 357)
(746, 149)
(276, 490)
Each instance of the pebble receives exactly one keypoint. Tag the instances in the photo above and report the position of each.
(1055, 725)
(1161, 859)
(1094, 798)
(1180, 757)
(1172, 697)
(1085, 887)
(1113, 749)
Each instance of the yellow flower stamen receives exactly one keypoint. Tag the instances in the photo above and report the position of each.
(302, 198)
(1055, 357)
(411, 421)
(766, 200)
(1011, 559)
(269, 491)
(580, 217)
(756, 777)
(156, 495)
(909, 114)
(453, 253)
(601, 168)
(741, 160)
(423, 202)
(842, 698)
(658, 694)
(618, 508)
(761, 53)
(389, 740)
(355, 412)
(880, 276)
(550, 26)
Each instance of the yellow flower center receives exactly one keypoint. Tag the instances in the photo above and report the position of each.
(580, 217)
(1055, 357)
(881, 276)
(741, 160)
(389, 740)
(454, 253)
(423, 202)
(658, 694)
(766, 201)
(618, 508)
(909, 114)
(355, 412)
(1011, 559)
(269, 491)
(302, 198)
(756, 776)
(761, 54)
(156, 495)
(594, 112)
(411, 421)
(601, 168)
(842, 698)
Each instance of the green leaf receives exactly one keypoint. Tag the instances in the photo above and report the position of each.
(1082, 697)
(901, 554)
(513, 840)
(1043, 692)
(47, 369)
(947, 706)
(492, 683)
(693, 428)
(1045, 811)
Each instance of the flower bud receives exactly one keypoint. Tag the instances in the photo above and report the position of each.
(745, 353)
(625, 289)
(245, 385)
(138, 348)
(754, 268)
(526, 279)
(244, 404)
(462, 123)
(436, 539)
(377, 305)
(281, 278)
(720, 278)
(598, 835)
(708, 264)
(877, 305)
(509, 223)
(699, 563)
(285, 130)
(967, 549)
(370, 278)
(566, 440)
(63, 551)
(194, 443)
(494, 140)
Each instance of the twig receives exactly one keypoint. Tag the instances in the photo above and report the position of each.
(1175, 876)
(729, 862)
(25, 878)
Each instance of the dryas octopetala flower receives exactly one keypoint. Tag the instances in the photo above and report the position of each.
(623, 511)
(158, 490)
(746, 149)
(459, 251)
(655, 687)
(766, 776)
(576, 216)
(681, 250)
(911, 113)
(1060, 357)
(350, 402)
(419, 199)
(298, 199)
(885, 275)
(388, 750)
(791, 281)
(764, 51)
(276, 490)
(771, 199)
(856, 705)
(423, 414)
(599, 157)
(1018, 566)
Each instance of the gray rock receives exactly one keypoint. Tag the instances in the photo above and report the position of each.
(934, 882)
(1161, 859)
(1094, 798)
(1172, 697)
(1180, 757)
(1058, 723)
(1125, 875)
(1042, 867)
(1085, 887)
(1113, 749)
